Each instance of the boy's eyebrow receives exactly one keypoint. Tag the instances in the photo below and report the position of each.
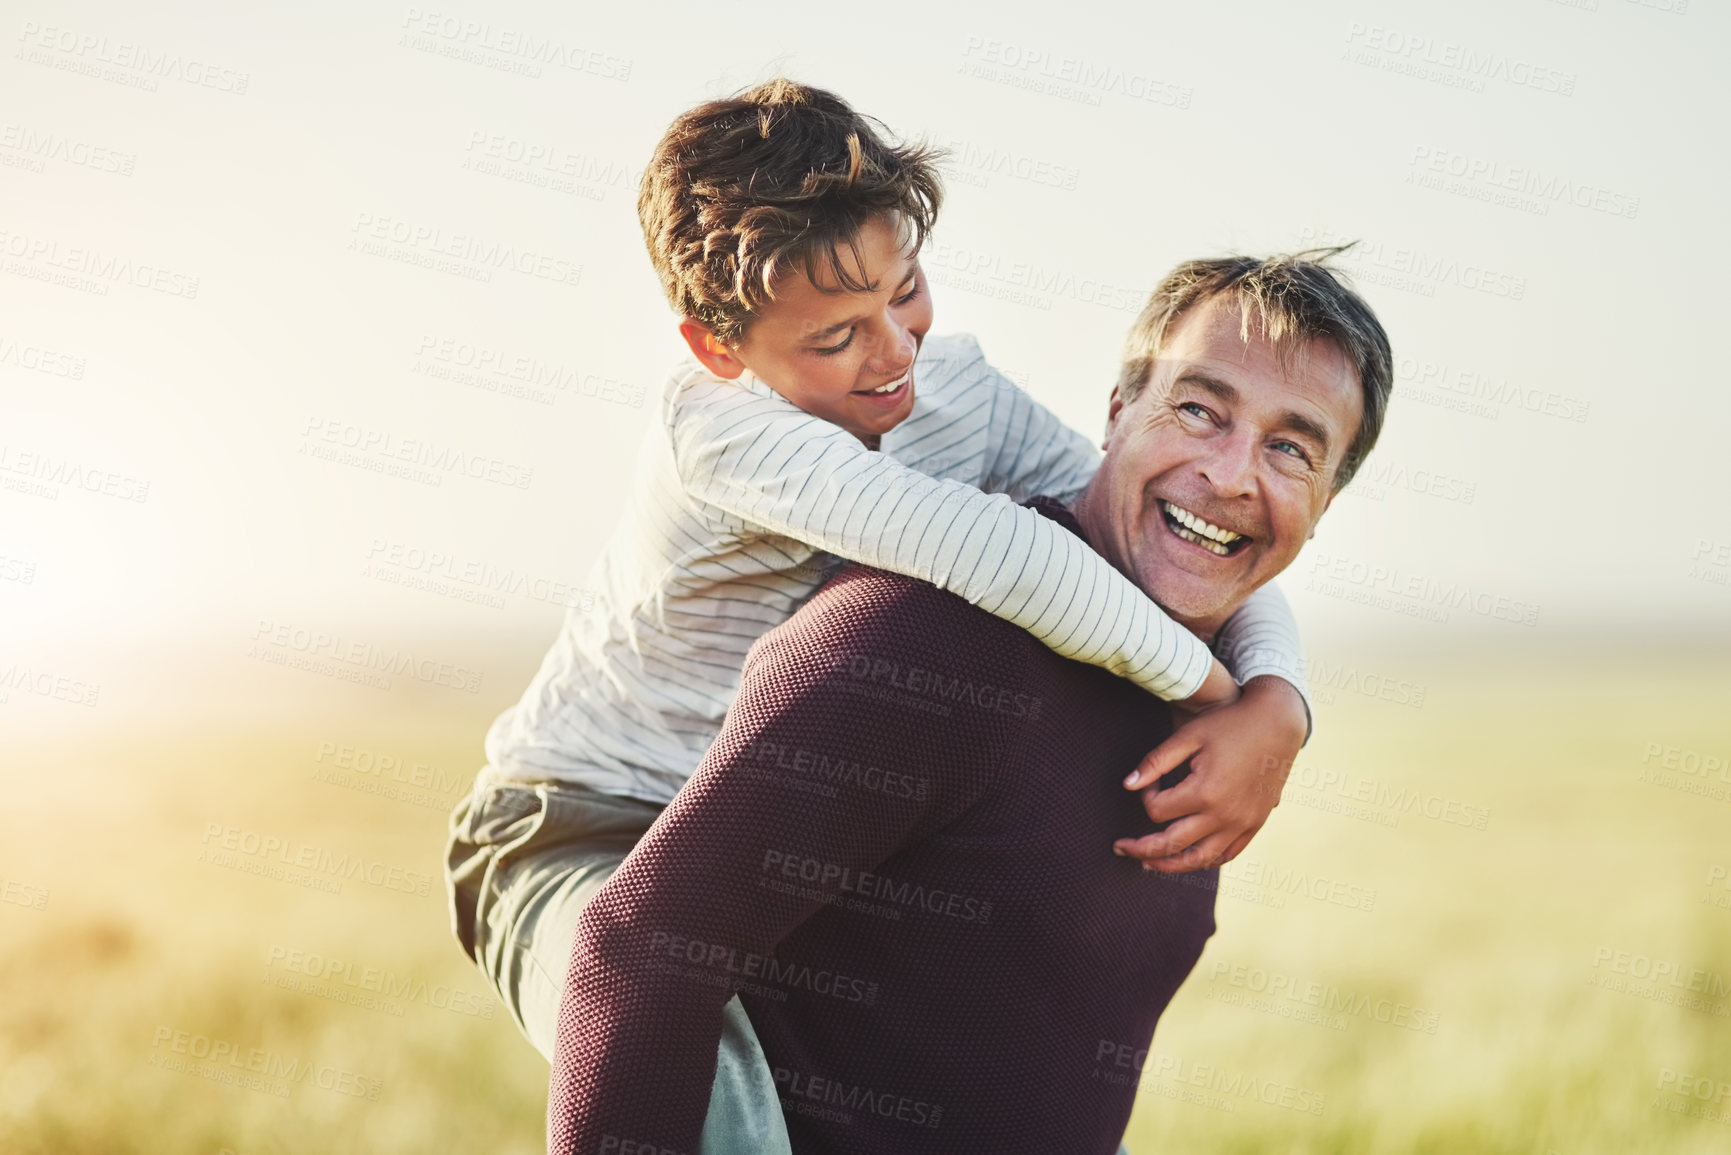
(821, 334)
(1291, 419)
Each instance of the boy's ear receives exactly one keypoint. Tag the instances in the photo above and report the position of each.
(709, 350)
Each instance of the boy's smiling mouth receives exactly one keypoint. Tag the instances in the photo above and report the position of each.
(889, 393)
(1215, 539)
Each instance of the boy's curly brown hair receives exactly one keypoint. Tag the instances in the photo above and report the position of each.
(781, 176)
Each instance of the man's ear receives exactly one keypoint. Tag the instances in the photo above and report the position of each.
(1116, 407)
(709, 350)
(1326, 502)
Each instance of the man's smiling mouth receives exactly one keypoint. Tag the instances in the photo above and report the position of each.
(1206, 534)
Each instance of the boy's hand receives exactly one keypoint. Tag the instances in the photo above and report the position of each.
(1239, 757)
(1217, 690)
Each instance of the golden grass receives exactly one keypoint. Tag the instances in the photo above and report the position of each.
(1495, 933)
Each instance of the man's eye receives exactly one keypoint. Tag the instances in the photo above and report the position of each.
(1295, 450)
(1193, 409)
(831, 350)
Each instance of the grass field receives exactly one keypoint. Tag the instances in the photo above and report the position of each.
(1445, 941)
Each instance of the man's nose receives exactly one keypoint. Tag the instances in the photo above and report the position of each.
(1230, 465)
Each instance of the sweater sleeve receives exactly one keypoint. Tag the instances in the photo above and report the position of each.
(779, 469)
(741, 857)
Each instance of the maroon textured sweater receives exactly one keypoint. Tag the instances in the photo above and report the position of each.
(898, 852)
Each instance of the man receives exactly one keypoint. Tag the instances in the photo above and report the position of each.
(891, 851)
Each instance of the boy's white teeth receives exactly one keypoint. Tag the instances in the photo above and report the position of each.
(891, 387)
(1204, 533)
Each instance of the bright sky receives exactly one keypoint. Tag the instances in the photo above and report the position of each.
(235, 237)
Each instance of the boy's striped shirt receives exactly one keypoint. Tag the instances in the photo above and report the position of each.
(744, 504)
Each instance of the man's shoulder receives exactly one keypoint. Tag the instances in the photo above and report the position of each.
(873, 625)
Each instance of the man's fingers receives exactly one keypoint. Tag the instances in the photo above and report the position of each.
(1164, 758)
(1174, 838)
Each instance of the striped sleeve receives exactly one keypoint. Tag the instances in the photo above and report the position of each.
(1035, 453)
(1261, 637)
(767, 462)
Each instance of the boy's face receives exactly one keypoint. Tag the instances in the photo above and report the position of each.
(847, 357)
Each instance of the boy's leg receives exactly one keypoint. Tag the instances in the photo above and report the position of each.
(522, 863)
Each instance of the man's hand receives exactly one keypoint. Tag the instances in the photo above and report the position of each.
(1239, 757)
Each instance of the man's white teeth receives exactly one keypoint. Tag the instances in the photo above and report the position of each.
(1203, 533)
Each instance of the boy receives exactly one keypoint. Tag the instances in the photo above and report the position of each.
(816, 424)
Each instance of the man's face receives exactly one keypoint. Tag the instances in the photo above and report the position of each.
(1217, 472)
(846, 356)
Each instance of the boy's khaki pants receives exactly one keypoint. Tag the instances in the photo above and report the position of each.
(520, 865)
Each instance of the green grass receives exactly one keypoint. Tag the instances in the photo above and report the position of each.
(1494, 932)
